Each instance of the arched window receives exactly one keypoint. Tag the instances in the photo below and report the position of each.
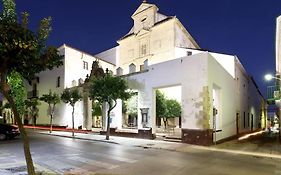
(119, 71)
(132, 68)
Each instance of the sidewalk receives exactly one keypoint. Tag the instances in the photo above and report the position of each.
(258, 146)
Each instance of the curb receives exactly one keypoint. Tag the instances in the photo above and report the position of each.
(80, 138)
(180, 149)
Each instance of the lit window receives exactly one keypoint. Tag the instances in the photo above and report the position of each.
(85, 65)
(58, 81)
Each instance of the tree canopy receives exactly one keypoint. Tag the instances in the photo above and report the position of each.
(109, 88)
(71, 96)
(22, 50)
(17, 90)
(160, 104)
(50, 98)
(173, 108)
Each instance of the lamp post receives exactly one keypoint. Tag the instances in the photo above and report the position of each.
(269, 77)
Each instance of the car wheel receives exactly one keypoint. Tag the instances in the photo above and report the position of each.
(3, 137)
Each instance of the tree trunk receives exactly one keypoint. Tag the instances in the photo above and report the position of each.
(34, 119)
(51, 118)
(110, 107)
(26, 147)
(108, 125)
(51, 123)
(165, 122)
(72, 121)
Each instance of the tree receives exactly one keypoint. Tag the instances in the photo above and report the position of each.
(132, 105)
(108, 89)
(160, 105)
(173, 110)
(166, 108)
(17, 90)
(32, 107)
(24, 52)
(52, 99)
(71, 97)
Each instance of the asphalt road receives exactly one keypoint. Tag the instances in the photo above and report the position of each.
(64, 155)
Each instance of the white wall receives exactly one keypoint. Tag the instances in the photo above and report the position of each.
(47, 82)
(110, 55)
(226, 61)
(198, 75)
(221, 80)
(72, 69)
(189, 73)
(74, 65)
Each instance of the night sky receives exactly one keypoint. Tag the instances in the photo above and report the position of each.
(245, 28)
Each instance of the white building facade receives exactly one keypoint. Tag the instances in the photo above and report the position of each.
(159, 52)
(76, 67)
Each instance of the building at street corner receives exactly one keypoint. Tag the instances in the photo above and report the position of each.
(218, 98)
(216, 93)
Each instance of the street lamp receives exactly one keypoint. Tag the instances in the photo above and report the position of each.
(269, 77)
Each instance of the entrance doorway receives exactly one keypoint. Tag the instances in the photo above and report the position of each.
(130, 112)
(168, 111)
(237, 123)
(96, 114)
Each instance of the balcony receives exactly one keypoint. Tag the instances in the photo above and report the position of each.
(32, 94)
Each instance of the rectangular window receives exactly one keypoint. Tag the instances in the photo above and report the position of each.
(142, 67)
(85, 65)
(58, 81)
(143, 49)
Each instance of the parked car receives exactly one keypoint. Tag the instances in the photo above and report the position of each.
(8, 131)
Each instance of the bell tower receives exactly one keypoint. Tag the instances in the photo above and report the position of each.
(145, 16)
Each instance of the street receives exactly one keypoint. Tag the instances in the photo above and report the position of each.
(62, 155)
